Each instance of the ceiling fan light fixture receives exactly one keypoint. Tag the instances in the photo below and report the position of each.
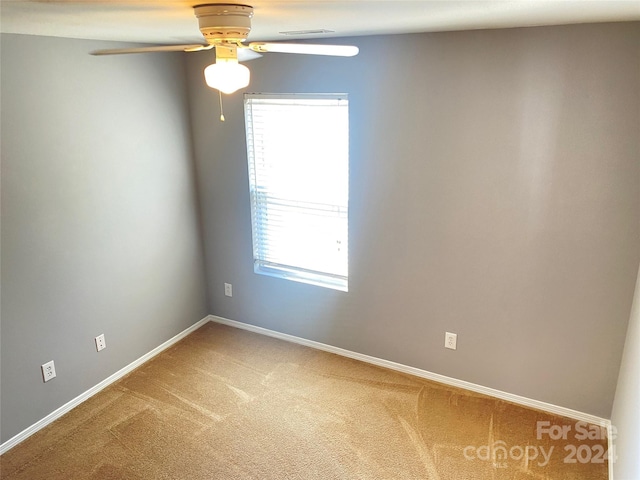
(227, 76)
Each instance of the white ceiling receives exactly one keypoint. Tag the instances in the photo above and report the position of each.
(168, 22)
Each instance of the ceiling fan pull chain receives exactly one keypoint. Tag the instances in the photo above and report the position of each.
(221, 109)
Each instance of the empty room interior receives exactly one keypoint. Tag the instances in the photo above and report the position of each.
(492, 172)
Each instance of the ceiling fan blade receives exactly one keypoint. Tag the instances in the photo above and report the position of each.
(159, 48)
(246, 54)
(305, 48)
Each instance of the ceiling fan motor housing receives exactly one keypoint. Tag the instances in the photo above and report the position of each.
(224, 22)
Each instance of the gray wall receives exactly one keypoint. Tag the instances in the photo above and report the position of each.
(626, 416)
(495, 193)
(99, 221)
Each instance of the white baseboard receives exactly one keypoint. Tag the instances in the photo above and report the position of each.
(517, 399)
(12, 442)
(510, 397)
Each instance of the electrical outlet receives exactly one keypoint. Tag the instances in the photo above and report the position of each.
(450, 340)
(48, 371)
(228, 290)
(101, 343)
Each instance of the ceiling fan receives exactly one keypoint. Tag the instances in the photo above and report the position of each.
(225, 27)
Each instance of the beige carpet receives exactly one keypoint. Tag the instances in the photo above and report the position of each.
(228, 404)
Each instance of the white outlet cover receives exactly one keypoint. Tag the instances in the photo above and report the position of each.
(48, 371)
(228, 290)
(101, 343)
(450, 340)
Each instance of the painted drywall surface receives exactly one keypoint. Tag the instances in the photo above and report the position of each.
(99, 225)
(494, 187)
(626, 415)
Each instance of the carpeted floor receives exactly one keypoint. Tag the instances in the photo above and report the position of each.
(229, 404)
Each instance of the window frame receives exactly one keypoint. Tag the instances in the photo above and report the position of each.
(337, 212)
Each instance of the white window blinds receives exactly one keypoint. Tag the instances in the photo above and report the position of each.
(298, 152)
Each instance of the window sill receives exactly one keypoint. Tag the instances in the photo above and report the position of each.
(302, 276)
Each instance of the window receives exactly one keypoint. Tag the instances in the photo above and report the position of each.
(298, 152)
